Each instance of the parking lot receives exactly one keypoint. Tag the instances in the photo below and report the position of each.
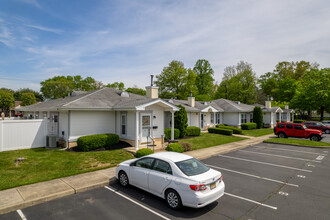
(265, 181)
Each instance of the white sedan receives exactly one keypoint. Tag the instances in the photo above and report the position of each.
(176, 177)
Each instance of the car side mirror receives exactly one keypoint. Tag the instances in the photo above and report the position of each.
(132, 164)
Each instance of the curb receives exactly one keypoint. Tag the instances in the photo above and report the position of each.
(28, 203)
(325, 147)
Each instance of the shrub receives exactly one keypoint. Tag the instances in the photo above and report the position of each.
(143, 152)
(174, 147)
(186, 146)
(298, 121)
(193, 131)
(258, 117)
(235, 130)
(167, 132)
(220, 131)
(92, 142)
(181, 121)
(248, 126)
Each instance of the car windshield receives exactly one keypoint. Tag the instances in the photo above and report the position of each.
(192, 167)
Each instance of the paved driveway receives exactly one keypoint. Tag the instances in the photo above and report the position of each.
(266, 181)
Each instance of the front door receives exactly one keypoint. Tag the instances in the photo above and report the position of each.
(145, 127)
(202, 121)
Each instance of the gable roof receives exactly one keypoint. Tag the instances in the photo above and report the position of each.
(231, 106)
(102, 99)
(199, 106)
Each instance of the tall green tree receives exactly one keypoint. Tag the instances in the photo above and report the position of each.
(116, 85)
(239, 84)
(175, 81)
(28, 98)
(6, 100)
(181, 121)
(204, 80)
(137, 91)
(314, 92)
(18, 94)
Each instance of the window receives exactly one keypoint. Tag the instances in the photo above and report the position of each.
(289, 126)
(251, 117)
(280, 126)
(144, 163)
(243, 118)
(192, 167)
(162, 166)
(212, 117)
(44, 114)
(36, 116)
(123, 123)
(298, 127)
(217, 118)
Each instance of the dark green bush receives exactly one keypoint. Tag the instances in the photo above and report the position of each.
(193, 131)
(167, 132)
(220, 131)
(174, 147)
(248, 126)
(92, 142)
(143, 152)
(235, 130)
(298, 121)
(186, 146)
(181, 121)
(258, 117)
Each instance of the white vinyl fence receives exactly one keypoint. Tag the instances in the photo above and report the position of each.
(22, 134)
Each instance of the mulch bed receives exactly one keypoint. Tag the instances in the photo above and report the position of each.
(119, 145)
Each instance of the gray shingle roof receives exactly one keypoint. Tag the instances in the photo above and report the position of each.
(199, 105)
(105, 98)
(231, 106)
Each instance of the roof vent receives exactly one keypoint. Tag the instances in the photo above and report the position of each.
(124, 94)
(238, 102)
(205, 103)
(171, 101)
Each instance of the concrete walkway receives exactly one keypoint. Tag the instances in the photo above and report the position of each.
(29, 195)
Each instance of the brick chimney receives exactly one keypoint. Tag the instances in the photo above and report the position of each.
(152, 91)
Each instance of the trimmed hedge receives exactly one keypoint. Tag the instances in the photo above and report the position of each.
(167, 132)
(248, 126)
(220, 131)
(186, 146)
(174, 147)
(143, 152)
(235, 130)
(298, 121)
(193, 131)
(92, 142)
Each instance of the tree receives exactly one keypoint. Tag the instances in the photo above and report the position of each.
(116, 85)
(258, 117)
(6, 100)
(61, 86)
(204, 81)
(18, 94)
(136, 91)
(314, 91)
(175, 81)
(28, 98)
(239, 84)
(181, 121)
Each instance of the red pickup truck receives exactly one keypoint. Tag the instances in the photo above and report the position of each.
(284, 130)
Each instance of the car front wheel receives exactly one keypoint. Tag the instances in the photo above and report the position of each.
(123, 179)
(314, 138)
(173, 199)
(281, 135)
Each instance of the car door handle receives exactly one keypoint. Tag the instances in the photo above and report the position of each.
(166, 178)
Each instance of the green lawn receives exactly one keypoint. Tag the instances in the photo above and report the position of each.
(41, 164)
(298, 142)
(258, 132)
(209, 140)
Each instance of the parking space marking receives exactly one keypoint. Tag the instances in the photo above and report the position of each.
(251, 175)
(150, 210)
(301, 176)
(276, 155)
(320, 157)
(249, 200)
(298, 151)
(283, 193)
(21, 214)
(270, 164)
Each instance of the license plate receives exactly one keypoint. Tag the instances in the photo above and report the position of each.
(213, 185)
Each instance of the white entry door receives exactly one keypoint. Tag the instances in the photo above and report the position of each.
(145, 127)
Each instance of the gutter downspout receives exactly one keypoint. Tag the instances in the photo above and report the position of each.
(68, 132)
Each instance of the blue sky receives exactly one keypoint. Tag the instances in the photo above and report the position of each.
(127, 40)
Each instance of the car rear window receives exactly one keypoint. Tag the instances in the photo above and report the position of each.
(192, 167)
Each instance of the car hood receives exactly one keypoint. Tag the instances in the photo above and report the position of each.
(313, 130)
(206, 178)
